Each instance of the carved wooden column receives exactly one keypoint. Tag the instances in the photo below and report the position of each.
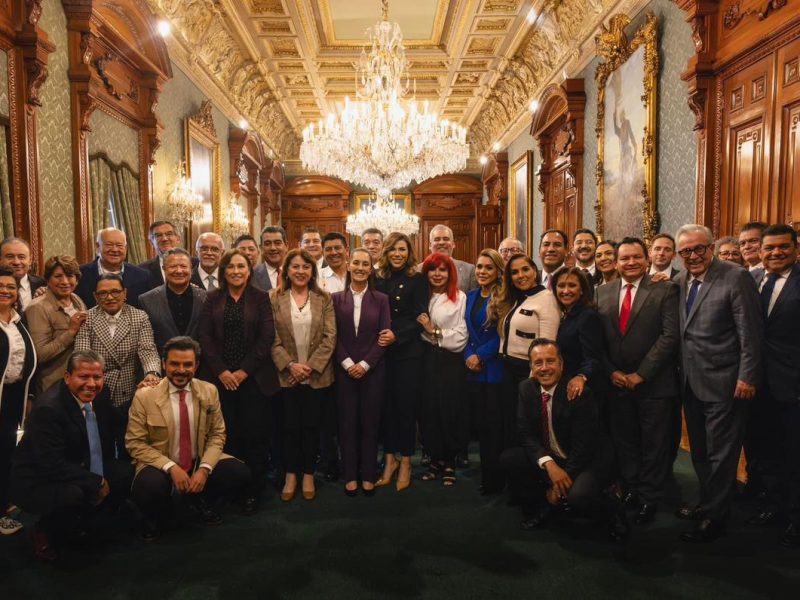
(28, 48)
(250, 172)
(491, 216)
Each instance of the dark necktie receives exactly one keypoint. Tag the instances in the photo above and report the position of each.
(692, 295)
(95, 448)
(185, 446)
(766, 292)
(625, 311)
(545, 421)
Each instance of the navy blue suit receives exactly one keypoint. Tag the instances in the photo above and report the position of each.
(136, 280)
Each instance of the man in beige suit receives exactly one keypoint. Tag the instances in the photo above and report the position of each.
(175, 436)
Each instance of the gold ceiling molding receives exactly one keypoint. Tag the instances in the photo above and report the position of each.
(269, 7)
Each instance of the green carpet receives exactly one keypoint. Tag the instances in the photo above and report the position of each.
(426, 542)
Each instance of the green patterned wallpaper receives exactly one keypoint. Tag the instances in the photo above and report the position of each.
(115, 139)
(4, 85)
(55, 160)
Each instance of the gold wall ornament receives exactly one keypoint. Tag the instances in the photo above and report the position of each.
(204, 168)
(616, 50)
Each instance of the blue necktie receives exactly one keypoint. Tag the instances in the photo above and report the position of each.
(766, 292)
(692, 295)
(95, 449)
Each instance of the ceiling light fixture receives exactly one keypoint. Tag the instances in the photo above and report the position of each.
(243, 124)
(383, 213)
(533, 106)
(483, 159)
(164, 28)
(532, 16)
(496, 147)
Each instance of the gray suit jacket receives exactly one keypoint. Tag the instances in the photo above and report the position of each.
(650, 344)
(722, 337)
(156, 305)
(261, 278)
(466, 276)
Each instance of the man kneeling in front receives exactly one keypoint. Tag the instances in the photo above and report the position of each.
(565, 458)
(175, 436)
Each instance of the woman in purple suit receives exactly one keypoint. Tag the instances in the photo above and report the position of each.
(361, 314)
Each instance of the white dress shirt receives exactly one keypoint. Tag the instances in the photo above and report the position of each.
(175, 443)
(554, 447)
(358, 299)
(760, 265)
(113, 321)
(653, 270)
(204, 277)
(272, 273)
(103, 271)
(449, 318)
(16, 349)
(623, 289)
(24, 292)
(776, 291)
(546, 277)
(331, 282)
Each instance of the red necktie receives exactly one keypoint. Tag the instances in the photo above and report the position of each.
(545, 421)
(185, 448)
(625, 311)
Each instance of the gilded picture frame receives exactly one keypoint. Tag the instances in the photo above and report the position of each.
(627, 81)
(520, 191)
(401, 200)
(204, 168)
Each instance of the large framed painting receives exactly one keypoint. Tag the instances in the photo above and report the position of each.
(401, 201)
(626, 130)
(519, 199)
(204, 168)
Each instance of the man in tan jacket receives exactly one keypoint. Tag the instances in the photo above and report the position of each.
(175, 436)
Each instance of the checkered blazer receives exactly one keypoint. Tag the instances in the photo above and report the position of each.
(132, 346)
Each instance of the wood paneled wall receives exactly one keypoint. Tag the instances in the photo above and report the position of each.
(314, 201)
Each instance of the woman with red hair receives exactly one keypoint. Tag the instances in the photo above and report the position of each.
(444, 373)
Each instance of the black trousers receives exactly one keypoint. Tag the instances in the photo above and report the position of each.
(152, 488)
(401, 405)
(302, 415)
(329, 431)
(516, 371)
(444, 404)
(11, 409)
(762, 442)
(119, 426)
(780, 465)
(247, 420)
(528, 484)
(640, 430)
(716, 431)
(492, 408)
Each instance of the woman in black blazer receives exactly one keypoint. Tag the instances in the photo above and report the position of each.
(580, 336)
(397, 277)
(17, 365)
(236, 333)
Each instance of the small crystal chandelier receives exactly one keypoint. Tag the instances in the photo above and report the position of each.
(382, 213)
(384, 139)
(185, 205)
(234, 221)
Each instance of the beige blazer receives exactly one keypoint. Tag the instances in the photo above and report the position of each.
(321, 345)
(151, 426)
(48, 325)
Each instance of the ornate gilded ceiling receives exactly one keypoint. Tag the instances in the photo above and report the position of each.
(281, 64)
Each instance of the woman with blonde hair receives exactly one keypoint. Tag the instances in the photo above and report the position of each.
(397, 277)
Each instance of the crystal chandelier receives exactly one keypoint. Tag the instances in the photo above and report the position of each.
(382, 213)
(384, 139)
(234, 221)
(185, 205)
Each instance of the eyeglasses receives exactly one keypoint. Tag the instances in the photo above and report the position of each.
(212, 249)
(699, 250)
(109, 293)
(9, 287)
(729, 254)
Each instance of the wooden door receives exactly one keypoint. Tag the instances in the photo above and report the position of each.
(787, 136)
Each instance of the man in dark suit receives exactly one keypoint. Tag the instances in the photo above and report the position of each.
(64, 466)
(565, 457)
(174, 308)
(15, 255)
(442, 240)
(775, 422)
(640, 319)
(163, 237)
(274, 248)
(584, 244)
(112, 247)
(553, 250)
(721, 347)
(209, 249)
(662, 253)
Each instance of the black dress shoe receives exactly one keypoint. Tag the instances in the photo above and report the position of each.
(537, 520)
(206, 514)
(249, 506)
(630, 500)
(705, 531)
(150, 531)
(646, 514)
(765, 517)
(351, 493)
(620, 530)
(791, 537)
(689, 513)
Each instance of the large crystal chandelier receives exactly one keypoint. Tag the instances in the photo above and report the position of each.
(185, 205)
(384, 139)
(234, 220)
(383, 214)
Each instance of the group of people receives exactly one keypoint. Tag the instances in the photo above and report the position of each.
(195, 377)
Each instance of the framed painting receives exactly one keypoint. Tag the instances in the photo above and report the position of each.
(204, 168)
(519, 199)
(626, 130)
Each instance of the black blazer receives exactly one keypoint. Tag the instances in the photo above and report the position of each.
(55, 447)
(36, 283)
(580, 339)
(408, 298)
(29, 366)
(156, 305)
(136, 280)
(576, 426)
(782, 341)
(153, 268)
(259, 333)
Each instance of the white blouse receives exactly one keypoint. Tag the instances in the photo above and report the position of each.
(449, 318)
(301, 325)
(16, 349)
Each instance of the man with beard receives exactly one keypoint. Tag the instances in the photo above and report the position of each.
(584, 243)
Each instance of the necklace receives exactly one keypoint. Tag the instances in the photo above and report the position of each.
(308, 297)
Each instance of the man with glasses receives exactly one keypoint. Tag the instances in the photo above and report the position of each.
(721, 339)
(209, 249)
(112, 248)
(163, 237)
(750, 243)
(510, 247)
(274, 248)
(727, 249)
(123, 337)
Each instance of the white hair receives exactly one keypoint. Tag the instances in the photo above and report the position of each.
(207, 234)
(512, 240)
(694, 228)
(440, 226)
(108, 229)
